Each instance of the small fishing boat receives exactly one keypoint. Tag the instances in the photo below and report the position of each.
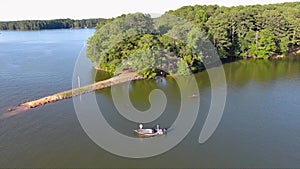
(150, 132)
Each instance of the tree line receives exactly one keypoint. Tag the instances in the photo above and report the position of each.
(189, 33)
(50, 24)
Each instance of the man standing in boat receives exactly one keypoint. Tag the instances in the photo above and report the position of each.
(141, 127)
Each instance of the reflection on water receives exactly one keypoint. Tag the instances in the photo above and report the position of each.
(261, 70)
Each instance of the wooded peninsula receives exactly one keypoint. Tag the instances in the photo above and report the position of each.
(141, 43)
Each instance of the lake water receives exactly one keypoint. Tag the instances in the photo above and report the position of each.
(260, 126)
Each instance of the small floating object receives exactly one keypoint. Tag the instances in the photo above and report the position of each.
(193, 96)
(150, 132)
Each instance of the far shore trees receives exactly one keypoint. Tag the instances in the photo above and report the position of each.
(50, 24)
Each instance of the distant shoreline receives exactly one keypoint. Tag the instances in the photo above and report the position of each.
(28, 25)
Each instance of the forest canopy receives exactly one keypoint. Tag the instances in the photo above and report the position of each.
(134, 41)
(254, 31)
(248, 31)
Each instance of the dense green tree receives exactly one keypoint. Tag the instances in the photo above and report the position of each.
(183, 68)
(248, 42)
(219, 30)
(113, 32)
(265, 46)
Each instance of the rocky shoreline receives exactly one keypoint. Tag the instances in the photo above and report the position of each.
(291, 53)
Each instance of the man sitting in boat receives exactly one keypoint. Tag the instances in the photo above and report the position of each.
(158, 130)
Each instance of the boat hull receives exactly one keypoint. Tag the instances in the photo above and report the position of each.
(146, 133)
